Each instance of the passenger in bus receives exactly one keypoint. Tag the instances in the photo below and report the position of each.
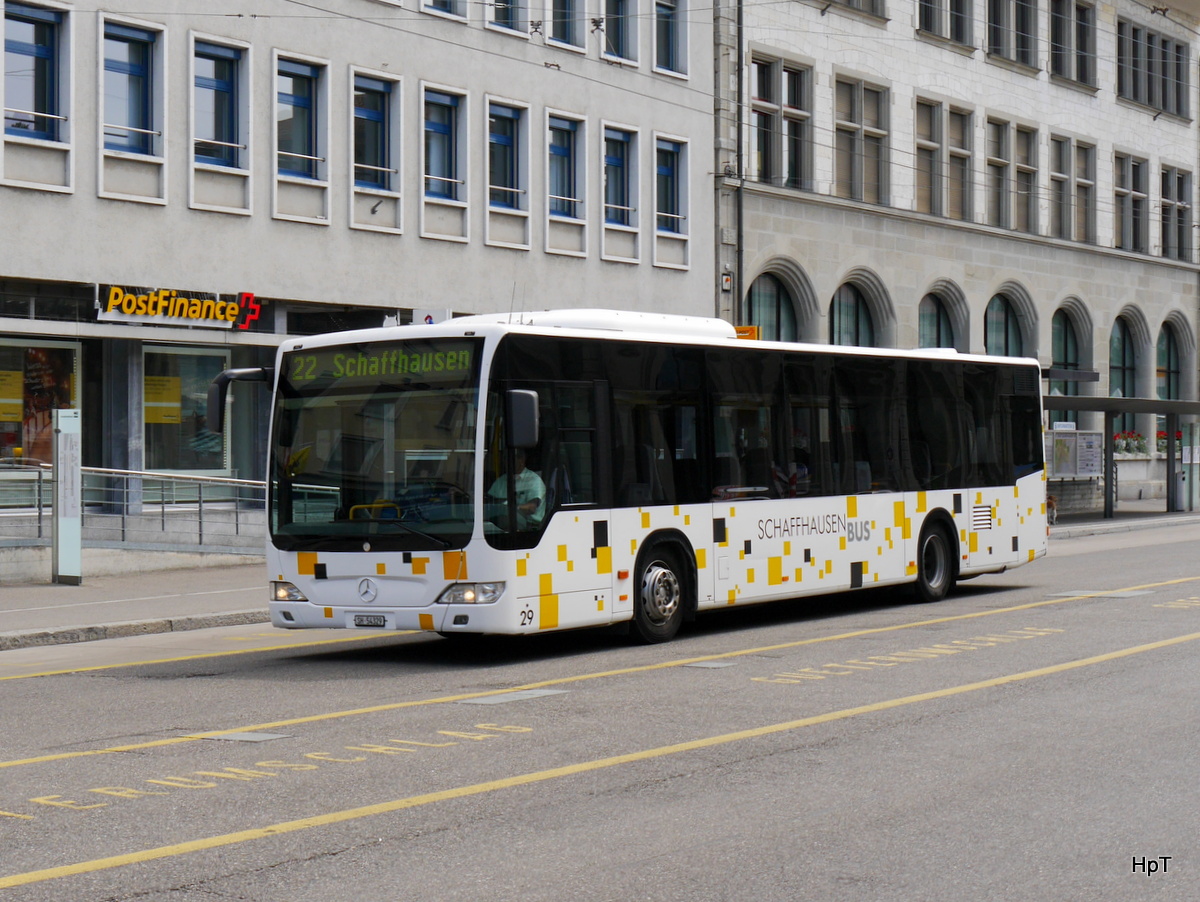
(529, 489)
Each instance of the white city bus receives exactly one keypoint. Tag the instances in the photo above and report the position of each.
(670, 468)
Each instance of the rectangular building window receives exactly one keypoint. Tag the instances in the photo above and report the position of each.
(959, 176)
(1012, 30)
(781, 117)
(129, 89)
(1012, 184)
(874, 7)
(1085, 193)
(216, 104)
(564, 22)
(1072, 190)
(449, 7)
(296, 117)
(943, 161)
(372, 133)
(442, 121)
(1073, 41)
(32, 42)
(949, 19)
(860, 145)
(1130, 177)
(618, 177)
(669, 182)
(508, 14)
(1025, 201)
(563, 164)
(1152, 69)
(620, 29)
(504, 156)
(929, 157)
(1176, 213)
(669, 35)
(176, 430)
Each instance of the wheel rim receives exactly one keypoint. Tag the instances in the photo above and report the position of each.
(661, 594)
(935, 561)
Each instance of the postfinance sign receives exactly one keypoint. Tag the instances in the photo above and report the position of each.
(167, 306)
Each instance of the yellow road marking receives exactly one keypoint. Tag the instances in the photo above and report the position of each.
(558, 681)
(556, 773)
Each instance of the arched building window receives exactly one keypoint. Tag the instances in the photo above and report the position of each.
(850, 320)
(1168, 364)
(933, 323)
(1065, 350)
(1001, 329)
(771, 309)
(1122, 370)
(1168, 370)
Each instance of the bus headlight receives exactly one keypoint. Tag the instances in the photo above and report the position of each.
(284, 591)
(472, 593)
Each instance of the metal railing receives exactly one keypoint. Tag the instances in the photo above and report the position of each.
(138, 510)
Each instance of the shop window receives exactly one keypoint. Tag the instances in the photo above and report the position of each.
(175, 390)
(34, 382)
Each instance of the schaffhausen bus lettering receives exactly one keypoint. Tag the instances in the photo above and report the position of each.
(799, 527)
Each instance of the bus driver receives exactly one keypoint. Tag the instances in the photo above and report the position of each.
(530, 493)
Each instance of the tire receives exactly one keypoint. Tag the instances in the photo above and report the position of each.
(935, 564)
(660, 601)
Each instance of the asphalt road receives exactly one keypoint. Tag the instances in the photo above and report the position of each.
(1033, 737)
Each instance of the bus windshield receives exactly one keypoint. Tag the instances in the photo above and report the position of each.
(373, 446)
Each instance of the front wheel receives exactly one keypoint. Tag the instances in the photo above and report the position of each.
(658, 610)
(935, 563)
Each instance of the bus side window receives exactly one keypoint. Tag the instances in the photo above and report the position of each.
(812, 455)
(869, 422)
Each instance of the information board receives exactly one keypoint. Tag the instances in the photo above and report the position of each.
(1074, 455)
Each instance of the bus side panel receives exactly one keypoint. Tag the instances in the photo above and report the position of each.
(566, 581)
(632, 527)
(1004, 527)
(786, 548)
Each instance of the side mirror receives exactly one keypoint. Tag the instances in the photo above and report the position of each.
(521, 418)
(219, 388)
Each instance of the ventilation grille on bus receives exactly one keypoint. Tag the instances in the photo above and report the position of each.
(981, 517)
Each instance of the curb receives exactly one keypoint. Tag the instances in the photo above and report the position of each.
(1097, 529)
(70, 634)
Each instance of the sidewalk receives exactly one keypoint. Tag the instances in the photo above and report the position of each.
(107, 607)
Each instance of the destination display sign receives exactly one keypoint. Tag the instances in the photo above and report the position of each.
(440, 363)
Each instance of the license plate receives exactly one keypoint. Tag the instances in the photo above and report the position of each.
(370, 620)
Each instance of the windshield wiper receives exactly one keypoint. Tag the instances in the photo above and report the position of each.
(392, 521)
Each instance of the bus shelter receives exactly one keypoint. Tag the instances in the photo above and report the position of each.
(1112, 408)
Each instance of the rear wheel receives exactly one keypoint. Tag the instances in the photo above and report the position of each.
(935, 563)
(658, 609)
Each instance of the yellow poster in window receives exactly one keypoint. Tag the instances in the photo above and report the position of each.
(12, 394)
(161, 399)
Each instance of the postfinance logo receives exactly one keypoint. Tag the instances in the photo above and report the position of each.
(168, 306)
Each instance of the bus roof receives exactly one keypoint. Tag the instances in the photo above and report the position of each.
(633, 324)
(593, 319)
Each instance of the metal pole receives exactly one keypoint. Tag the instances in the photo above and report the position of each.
(1110, 466)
